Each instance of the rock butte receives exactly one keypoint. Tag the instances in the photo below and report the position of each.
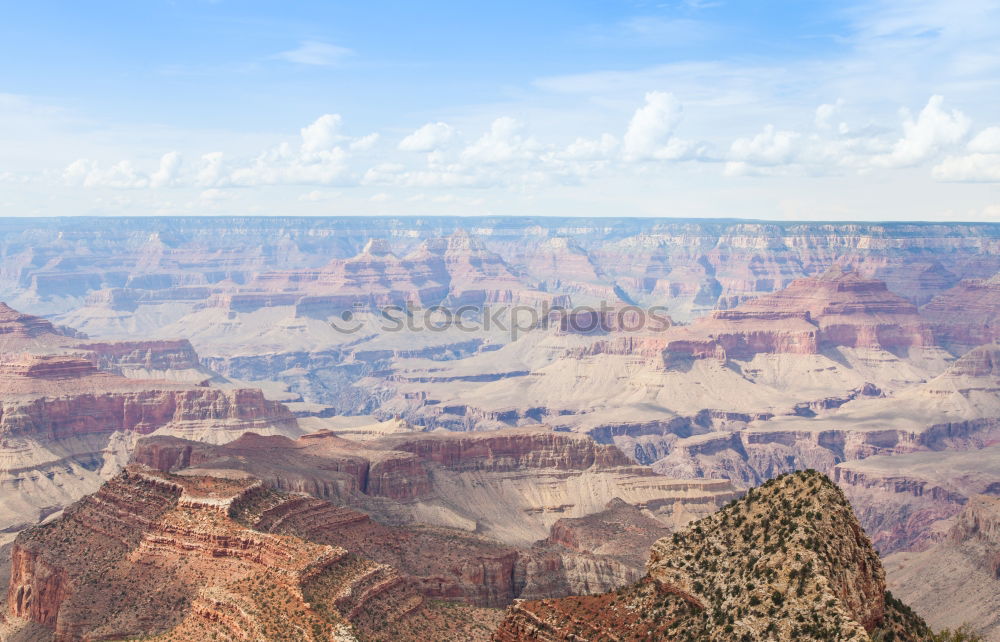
(862, 350)
(789, 561)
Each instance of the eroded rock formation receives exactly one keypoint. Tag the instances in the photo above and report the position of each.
(787, 561)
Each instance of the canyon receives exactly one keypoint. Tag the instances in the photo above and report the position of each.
(754, 570)
(532, 403)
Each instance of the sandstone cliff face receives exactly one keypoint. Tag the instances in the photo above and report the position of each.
(966, 315)
(788, 561)
(905, 502)
(834, 310)
(126, 357)
(65, 426)
(190, 571)
(16, 325)
(436, 490)
(957, 581)
(202, 555)
(172, 359)
(698, 262)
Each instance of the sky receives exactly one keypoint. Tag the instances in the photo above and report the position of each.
(807, 110)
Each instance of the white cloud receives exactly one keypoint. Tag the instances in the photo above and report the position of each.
(319, 196)
(591, 149)
(825, 112)
(365, 143)
(650, 132)
(769, 148)
(166, 175)
(986, 141)
(502, 144)
(211, 171)
(933, 130)
(86, 173)
(428, 138)
(971, 168)
(312, 52)
(322, 134)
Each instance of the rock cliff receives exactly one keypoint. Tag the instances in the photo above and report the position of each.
(162, 555)
(966, 315)
(65, 426)
(787, 561)
(957, 581)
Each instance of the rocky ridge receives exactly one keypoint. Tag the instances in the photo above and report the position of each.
(176, 547)
(787, 561)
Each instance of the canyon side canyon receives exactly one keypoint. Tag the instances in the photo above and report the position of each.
(498, 428)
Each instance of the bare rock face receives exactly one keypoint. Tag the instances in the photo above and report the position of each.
(563, 265)
(966, 315)
(526, 493)
(787, 561)
(66, 426)
(843, 309)
(621, 530)
(957, 581)
(837, 309)
(162, 554)
(453, 271)
(906, 502)
(173, 359)
(14, 324)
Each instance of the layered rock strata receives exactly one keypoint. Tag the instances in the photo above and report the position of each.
(787, 561)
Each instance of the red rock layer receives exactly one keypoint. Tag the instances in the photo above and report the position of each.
(837, 309)
(152, 553)
(788, 561)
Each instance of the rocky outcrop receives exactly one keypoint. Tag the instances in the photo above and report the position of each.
(16, 325)
(905, 502)
(65, 426)
(124, 357)
(834, 310)
(510, 485)
(509, 451)
(191, 570)
(787, 561)
(525, 493)
(956, 582)
(621, 530)
(966, 315)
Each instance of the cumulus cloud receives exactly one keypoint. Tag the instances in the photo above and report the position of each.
(322, 157)
(825, 112)
(501, 144)
(428, 138)
(166, 175)
(315, 53)
(934, 129)
(86, 173)
(364, 143)
(591, 149)
(650, 132)
(211, 171)
(322, 134)
(769, 148)
(986, 141)
(971, 168)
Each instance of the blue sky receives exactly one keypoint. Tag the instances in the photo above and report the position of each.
(792, 110)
